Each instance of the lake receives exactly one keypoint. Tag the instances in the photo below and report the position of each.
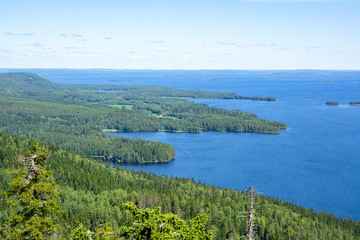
(315, 163)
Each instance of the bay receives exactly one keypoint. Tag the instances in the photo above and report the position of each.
(315, 163)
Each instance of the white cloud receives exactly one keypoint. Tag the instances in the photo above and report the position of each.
(19, 34)
(228, 43)
(189, 52)
(35, 44)
(309, 48)
(5, 51)
(156, 41)
(138, 57)
(76, 35)
(131, 52)
(161, 51)
(285, 48)
(258, 45)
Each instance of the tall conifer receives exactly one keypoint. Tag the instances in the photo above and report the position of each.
(34, 196)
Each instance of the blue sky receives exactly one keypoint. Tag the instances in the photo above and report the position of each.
(187, 34)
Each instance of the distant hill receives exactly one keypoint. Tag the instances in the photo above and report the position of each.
(23, 80)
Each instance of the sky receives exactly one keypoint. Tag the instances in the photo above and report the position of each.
(186, 34)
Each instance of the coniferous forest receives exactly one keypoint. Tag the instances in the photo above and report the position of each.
(75, 116)
(70, 119)
(92, 195)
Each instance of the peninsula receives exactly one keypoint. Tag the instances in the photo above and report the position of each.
(75, 116)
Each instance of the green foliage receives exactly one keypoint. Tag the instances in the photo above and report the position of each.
(92, 194)
(35, 197)
(152, 224)
(73, 116)
(78, 128)
(14, 81)
(102, 233)
(80, 233)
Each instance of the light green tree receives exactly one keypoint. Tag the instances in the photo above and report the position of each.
(34, 197)
(152, 224)
(102, 233)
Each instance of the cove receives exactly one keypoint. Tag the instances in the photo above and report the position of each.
(270, 162)
(314, 163)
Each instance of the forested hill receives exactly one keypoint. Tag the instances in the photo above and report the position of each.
(93, 194)
(75, 116)
(20, 81)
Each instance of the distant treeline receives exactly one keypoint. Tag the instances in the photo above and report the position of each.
(334, 103)
(355, 103)
(256, 98)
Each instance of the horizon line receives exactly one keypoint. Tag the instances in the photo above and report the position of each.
(184, 69)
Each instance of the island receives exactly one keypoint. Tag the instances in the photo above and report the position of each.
(354, 103)
(332, 103)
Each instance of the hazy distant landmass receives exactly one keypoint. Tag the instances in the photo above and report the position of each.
(120, 81)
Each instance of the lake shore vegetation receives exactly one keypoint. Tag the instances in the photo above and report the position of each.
(75, 116)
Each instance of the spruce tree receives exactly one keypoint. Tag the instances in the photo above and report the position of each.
(34, 197)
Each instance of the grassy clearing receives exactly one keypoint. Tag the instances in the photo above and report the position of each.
(127, 107)
(162, 116)
(110, 130)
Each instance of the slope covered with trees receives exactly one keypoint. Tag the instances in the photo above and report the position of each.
(74, 116)
(93, 194)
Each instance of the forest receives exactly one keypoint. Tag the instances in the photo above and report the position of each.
(74, 117)
(92, 195)
(70, 119)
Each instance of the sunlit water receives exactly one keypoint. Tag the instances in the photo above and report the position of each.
(315, 163)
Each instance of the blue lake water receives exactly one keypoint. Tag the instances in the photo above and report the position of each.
(315, 163)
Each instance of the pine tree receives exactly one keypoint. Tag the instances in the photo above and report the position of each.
(34, 195)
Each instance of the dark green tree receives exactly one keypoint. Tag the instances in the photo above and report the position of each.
(34, 197)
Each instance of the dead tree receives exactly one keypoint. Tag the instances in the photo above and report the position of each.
(250, 233)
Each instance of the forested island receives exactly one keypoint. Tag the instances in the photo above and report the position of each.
(91, 196)
(354, 103)
(332, 103)
(75, 116)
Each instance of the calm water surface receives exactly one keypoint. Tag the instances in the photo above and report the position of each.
(315, 163)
